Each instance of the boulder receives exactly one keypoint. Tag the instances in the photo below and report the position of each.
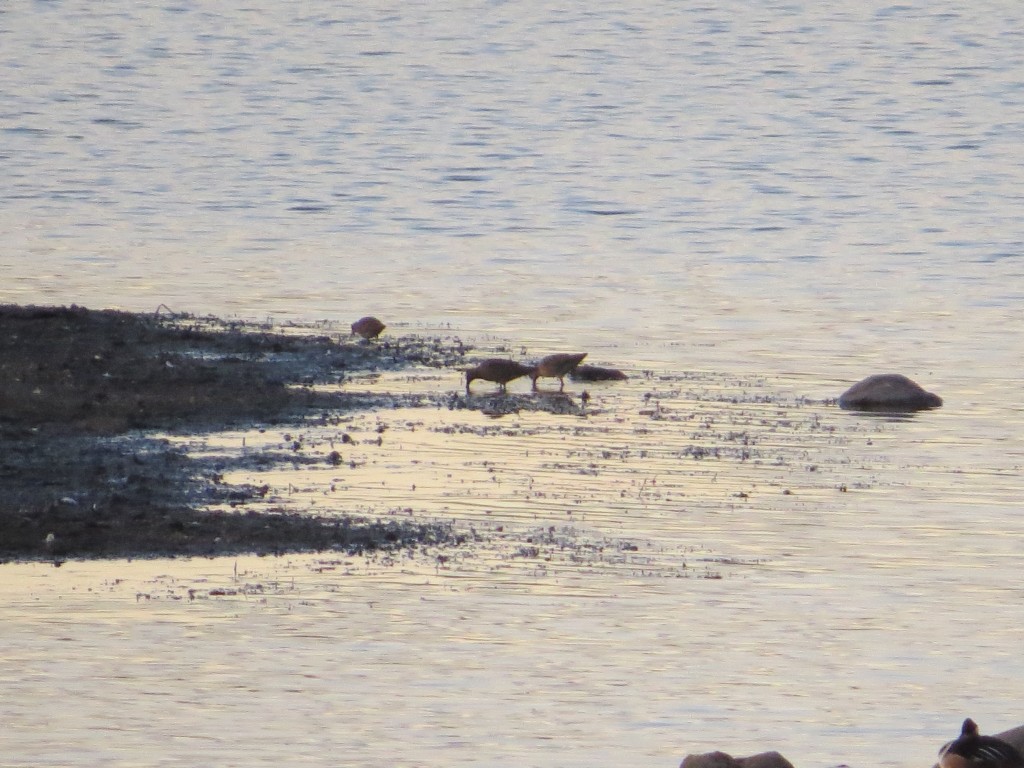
(723, 760)
(764, 760)
(888, 392)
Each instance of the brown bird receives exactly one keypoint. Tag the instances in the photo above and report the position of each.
(974, 751)
(368, 327)
(597, 373)
(557, 366)
(497, 369)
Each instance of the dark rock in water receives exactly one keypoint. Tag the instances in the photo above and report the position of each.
(764, 760)
(723, 760)
(888, 392)
(710, 760)
(597, 373)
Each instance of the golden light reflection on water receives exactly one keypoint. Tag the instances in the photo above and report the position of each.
(667, 472)
(684, 549)
(847, 215)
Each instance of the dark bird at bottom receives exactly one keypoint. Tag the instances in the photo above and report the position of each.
(368, 327)
(557, 366)
(498, 370)
(972, 750)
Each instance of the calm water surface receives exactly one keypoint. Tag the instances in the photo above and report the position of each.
(756, 204)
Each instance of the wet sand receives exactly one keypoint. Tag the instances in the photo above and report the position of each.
(88, 398)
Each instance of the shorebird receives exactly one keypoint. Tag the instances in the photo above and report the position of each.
(368, 327)
(557, 366)
(497, 369)
(597, 373)
(974, 751)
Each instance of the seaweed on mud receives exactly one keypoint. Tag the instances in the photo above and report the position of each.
(83, 391)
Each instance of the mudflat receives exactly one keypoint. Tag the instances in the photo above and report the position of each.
(87, 396)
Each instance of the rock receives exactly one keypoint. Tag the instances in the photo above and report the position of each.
(723, 760)
(888, 392)
(764, 760)
(709, 760)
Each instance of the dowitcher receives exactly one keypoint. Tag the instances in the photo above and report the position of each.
(368, 327)
(497, 369)
(557, 366)
(597, 373)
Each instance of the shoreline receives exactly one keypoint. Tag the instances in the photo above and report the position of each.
(85, 395)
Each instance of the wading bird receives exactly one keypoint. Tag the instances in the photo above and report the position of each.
(368, 327)
(497, 369)
(557, 366)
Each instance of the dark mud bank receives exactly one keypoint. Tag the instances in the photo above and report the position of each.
(85, 394)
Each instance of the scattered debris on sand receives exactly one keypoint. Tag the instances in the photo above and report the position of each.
(84, 393)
